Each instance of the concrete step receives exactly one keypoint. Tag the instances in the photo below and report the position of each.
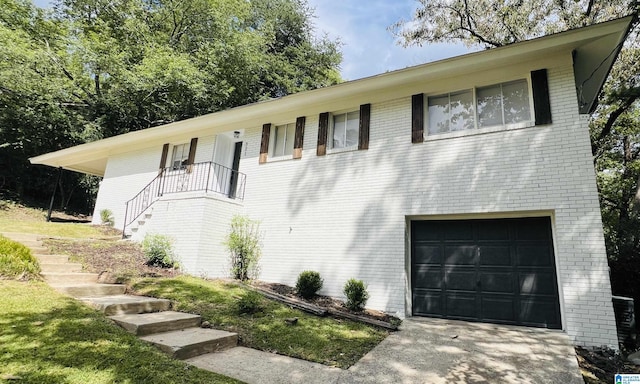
(157, 322)
(51, 259)
(127, 304)
(90, 290)
(39, 250)
(31, 243)
(60, 267)
(192, 342)
(69, 278)
(17, 236)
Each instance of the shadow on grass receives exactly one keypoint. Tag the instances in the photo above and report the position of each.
(47, 338)
(325, 340)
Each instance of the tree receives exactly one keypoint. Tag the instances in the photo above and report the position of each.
(91, 69)
(615, 125)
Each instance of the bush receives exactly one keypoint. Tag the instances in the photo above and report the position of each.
(107, 217)
(243, 243)
(158, 250)
(17, 261)
(308, 284)
(249, 303)
(356, 293)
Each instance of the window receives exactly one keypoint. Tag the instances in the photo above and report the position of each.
(180, 156)
(495, 105)
(282, 140)
(345, 130)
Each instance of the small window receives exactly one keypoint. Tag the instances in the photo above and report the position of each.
(345, 130)
(180, 156)
(502, 104)
(282, 140)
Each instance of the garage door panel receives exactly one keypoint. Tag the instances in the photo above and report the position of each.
(537, 282)
(498, 309)
(427, 254)
(460, 255)
(462, 306)
(427, 303)
(495, 255)
(427, 277)
(460, 279)
(493, 270)
(497, 282)
(540, 312)
(457, 230)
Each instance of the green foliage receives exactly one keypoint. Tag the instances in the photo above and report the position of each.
(243, 243)
(16, 261)
(250, 302)
(158, 249)
(356, 293)
(325, 340)
(308, 284)
(48, 338)
(106, 216)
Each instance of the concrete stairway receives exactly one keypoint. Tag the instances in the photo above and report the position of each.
(178, 334)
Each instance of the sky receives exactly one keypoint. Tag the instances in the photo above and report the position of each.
(368, 48)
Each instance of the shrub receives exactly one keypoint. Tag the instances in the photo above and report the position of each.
(158, 249)
(243, 243)
(309, 282)
(249, 303)
(17, 261)
(107, 217)
(356, 293)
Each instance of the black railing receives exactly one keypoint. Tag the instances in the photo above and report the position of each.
(208, 177)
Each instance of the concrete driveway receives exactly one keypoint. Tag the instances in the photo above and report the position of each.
(423, 351)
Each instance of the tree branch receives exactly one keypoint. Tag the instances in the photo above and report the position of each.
(608, 126)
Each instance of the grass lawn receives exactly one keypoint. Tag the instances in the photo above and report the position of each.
(49, 338)
(324, 340)
(17, 218)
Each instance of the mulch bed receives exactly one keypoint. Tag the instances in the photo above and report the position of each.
(326, 302)
(599, 365)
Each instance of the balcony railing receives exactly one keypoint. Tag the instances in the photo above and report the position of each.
(207, 177)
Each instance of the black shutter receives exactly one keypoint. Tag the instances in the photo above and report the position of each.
(163, 157)
(323, 129)
(365, 118)
(541, 104)
(264, 144)
(192, 151)
(298, 140)
(417, 118)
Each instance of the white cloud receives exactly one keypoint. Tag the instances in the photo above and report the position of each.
(369, 48)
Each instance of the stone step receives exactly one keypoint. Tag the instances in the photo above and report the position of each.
(31, 243)
(39, 250)
(90, 290)
(127, 304)
(157, 322)
(19, 237)
(192, 342)
(69, 278)
(51, 259)
(60, 267)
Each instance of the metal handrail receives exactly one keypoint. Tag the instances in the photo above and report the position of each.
(207, 176)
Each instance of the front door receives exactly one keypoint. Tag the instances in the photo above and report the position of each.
(227, 162)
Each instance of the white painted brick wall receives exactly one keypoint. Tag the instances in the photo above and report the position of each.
(345, 214)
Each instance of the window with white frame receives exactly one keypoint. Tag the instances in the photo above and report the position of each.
(282, 138)
(345, 129)
(180, 156)
(494, 105)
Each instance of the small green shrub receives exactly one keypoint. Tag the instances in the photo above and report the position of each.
(107, 217)
(356, 293)
(249, 303)
(308, 284)
(17, 261)
(158, 250)
(243, 243)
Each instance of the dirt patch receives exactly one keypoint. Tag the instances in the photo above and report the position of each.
(326, 302)
(600, 365)
(119, 259)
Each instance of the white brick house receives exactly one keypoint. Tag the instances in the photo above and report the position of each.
(461, 189)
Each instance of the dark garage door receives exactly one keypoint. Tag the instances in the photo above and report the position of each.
(497, 270)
